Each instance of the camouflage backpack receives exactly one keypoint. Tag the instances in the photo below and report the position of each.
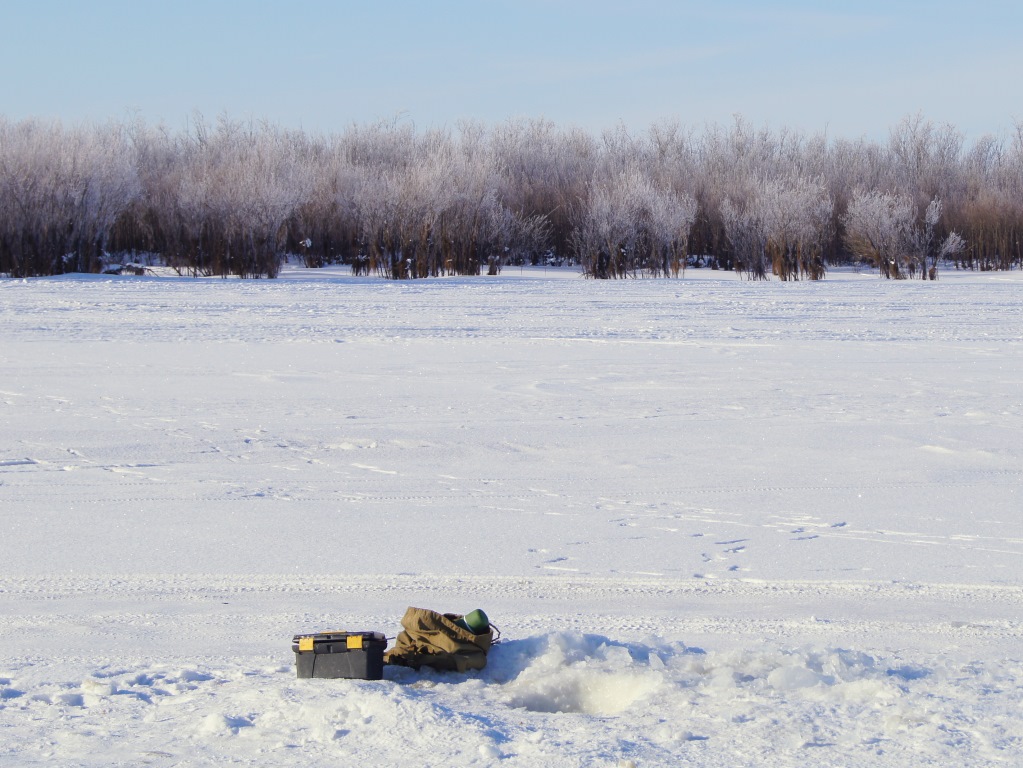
(431, 639)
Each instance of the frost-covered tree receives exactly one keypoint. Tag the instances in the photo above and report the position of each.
(883, 228)
(545, 172)
(603, 228)
(256, 179)
(925, 159)
(744, 228)
(931, 248)
(796, 215)
(627, 225)
(780, 225)
(878, 229)
(671, 218)
(218, 199)
(324, 226)
(61, 191)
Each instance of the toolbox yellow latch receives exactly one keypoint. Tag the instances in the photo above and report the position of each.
(305, 643)
(354, 641)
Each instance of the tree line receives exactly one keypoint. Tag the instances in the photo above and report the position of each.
(232, 198)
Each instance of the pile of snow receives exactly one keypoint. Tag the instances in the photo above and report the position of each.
(556, 699)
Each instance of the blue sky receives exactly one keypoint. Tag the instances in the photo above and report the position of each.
(851, 68)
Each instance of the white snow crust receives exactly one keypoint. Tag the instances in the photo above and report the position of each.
(719, 523)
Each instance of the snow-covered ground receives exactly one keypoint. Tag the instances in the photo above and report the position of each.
(719, 523)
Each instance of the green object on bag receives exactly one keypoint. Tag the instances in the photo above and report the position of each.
(475, 621)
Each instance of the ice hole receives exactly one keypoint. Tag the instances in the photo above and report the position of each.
(582, 674)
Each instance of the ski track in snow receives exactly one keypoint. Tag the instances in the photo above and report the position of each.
(719, 523)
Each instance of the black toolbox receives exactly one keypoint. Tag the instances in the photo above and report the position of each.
(356, 655)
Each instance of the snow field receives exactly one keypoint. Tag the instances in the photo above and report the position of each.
(720, 523)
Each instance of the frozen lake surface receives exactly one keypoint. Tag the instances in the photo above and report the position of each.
(719, 523)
